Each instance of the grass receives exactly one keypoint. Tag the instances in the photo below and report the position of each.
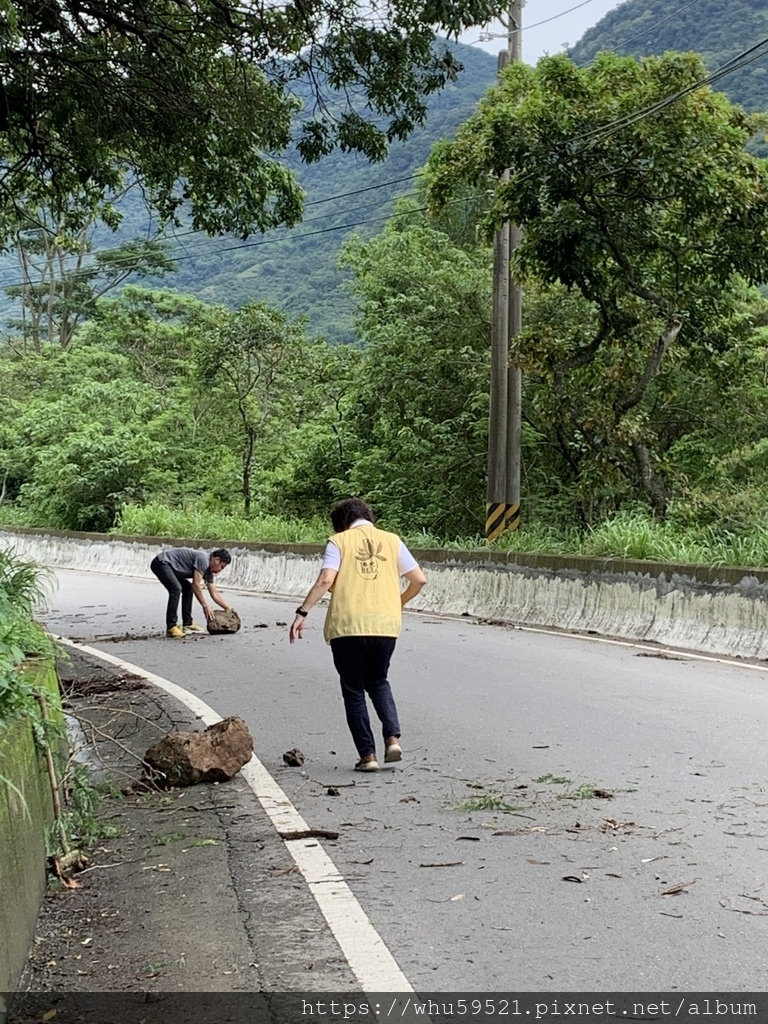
(153, 800)
(172, 837)
(158, 520)
(630, 534)
(554, 780)
(489, 802)
(589, 791)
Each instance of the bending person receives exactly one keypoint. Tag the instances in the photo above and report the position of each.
(362, 567)
(183, 571)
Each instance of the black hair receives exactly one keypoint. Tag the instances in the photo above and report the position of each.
(222, 554)
(347, 511)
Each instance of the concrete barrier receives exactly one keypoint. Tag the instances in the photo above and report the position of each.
(26, 812)
(718, 610)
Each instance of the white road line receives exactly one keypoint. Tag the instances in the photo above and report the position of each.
(369, 958)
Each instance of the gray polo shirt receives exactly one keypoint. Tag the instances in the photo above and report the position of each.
(184, 561)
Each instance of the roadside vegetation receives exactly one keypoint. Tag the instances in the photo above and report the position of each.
(644, 351)
(22, 586)
(629, 534)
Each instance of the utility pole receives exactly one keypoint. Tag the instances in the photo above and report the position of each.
(503, 498)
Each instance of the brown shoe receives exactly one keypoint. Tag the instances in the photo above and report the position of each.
(367, 764)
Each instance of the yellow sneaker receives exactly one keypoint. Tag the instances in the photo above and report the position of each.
(193, 627)
(175, 632)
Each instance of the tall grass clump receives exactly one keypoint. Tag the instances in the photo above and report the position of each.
(156, 520)
(631, 534)
(22, 586)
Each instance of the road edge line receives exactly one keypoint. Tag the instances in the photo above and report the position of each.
(368, 956)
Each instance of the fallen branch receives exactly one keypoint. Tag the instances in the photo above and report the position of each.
(309, 833)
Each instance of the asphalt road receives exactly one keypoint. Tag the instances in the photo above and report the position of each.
(570, 814)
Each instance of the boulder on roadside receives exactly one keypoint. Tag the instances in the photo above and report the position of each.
(224, 620)
(215, 755)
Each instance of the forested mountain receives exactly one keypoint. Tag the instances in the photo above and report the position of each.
(297, 269)
(717, 29)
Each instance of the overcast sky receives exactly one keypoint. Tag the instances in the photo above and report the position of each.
(563, 30)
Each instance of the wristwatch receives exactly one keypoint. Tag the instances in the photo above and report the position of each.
(302, 612)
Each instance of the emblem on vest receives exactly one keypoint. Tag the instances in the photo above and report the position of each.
(367, 560)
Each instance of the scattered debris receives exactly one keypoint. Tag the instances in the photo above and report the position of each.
(333, 791)
(675, 890)
(293, 758)
(660, 654)
(83, 687)
(587, 792)
(444, 864)
(308, 833)
(572, 878)
(215, 755)
(516, 831)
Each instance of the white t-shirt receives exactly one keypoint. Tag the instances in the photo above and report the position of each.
(332, 555)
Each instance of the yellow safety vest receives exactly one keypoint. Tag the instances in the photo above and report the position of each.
(365, 597)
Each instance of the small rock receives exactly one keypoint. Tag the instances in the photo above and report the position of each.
(293, 758)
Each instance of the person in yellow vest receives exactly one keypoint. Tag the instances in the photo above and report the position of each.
(362, 566)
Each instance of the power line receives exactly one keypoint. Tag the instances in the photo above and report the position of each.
(734, 64)
(315, 202)
(526, 28)
(272, 241)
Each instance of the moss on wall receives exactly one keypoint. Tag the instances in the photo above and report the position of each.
(26, 810)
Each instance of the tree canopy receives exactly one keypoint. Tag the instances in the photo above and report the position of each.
(648, 208)
(198, 98)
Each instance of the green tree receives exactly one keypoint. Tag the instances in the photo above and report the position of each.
(61, 281)
(420, 412)
(246, 361)
(87, 449)
(648, 209)
(197, 100)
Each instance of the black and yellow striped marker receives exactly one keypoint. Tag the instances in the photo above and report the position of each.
(500, 517)
(512, 517)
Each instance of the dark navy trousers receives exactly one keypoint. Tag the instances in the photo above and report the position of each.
(363, 663)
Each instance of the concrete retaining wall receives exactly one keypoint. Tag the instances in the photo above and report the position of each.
(721, 610)
(23, 824)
